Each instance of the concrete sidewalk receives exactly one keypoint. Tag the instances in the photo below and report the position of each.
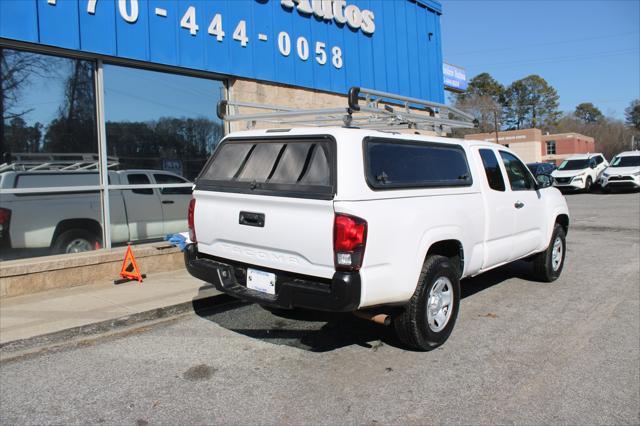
(46, 313)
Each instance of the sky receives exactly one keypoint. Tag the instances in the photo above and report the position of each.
(588, 50)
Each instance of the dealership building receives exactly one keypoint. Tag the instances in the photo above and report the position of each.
(534, 147)
(132, 85)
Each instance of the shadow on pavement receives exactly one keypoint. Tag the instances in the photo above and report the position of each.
(316, 331)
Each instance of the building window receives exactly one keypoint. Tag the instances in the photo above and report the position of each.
(48, 139)
(161, 128)
(551, 147)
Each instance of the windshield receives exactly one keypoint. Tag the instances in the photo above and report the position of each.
(574, 164)
(628, 161)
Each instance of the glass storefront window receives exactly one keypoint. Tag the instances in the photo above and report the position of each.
(161, 128)
(48, 139)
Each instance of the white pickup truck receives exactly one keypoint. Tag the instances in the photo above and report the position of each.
(69, 222)
(343, 219)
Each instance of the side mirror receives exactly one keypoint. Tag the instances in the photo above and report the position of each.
(592, 165)
(544, 181)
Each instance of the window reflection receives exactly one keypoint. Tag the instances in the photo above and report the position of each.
(161, 121)
(48, 138)
(161, 128)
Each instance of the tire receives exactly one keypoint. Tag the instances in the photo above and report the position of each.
(75, 241)
(546, 268)
(587, 184)
(416, 326)
(605, 190)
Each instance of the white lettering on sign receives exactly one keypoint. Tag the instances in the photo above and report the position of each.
(215, 27)
(129, 16)
(338, 10)
(91, 7)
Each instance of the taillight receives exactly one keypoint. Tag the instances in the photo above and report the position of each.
(5, 218)
(190, 222)
(349, 241)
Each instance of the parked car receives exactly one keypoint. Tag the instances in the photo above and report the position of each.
(343, 219)
(624, 172)
(541, 168)
(71, 222)
(579, 172)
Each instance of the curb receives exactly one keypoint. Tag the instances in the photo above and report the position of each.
(20, 347)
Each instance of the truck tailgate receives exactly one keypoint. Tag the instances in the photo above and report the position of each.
(291, 234)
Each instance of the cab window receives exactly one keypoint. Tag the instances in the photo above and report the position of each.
(140, 179)
(164, 178)
(492, 169)
(520, 178)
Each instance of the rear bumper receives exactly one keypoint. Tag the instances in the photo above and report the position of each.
(338, 294)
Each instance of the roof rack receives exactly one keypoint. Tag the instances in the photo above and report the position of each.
(378, 110)
(27, 161)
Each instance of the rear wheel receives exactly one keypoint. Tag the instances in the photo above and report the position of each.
(429, 317)
(547, 266)
(76, 241)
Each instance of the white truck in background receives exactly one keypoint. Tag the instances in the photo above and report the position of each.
(70, 222)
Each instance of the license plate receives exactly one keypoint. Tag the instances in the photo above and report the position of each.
(264, 282)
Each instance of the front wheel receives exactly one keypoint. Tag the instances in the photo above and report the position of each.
(428, 318)
(547, 266)
(587, 184)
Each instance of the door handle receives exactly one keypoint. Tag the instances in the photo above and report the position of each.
(167, 201)
(518, 204)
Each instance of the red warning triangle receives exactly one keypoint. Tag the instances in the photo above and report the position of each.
(130, 268)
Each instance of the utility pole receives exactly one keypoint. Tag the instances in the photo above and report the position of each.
(495, 123)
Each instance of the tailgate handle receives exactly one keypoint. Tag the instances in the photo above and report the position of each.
(252, 219)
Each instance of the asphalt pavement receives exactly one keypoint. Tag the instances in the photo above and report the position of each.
(522, 352)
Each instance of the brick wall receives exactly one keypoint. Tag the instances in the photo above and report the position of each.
(279, 95)
(567, 144)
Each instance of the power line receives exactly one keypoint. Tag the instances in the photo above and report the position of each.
(553, 43)
(564, 58)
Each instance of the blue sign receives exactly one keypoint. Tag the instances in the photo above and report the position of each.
(331, 45)
(455, 78)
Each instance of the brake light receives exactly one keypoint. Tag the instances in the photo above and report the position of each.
(5, 218)
(349, 241)
(190, 222)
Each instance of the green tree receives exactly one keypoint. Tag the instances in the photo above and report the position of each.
(531, 102)
(483, 100)
(483, 85)
(19, 137)
(632, 114)
(588, 112)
